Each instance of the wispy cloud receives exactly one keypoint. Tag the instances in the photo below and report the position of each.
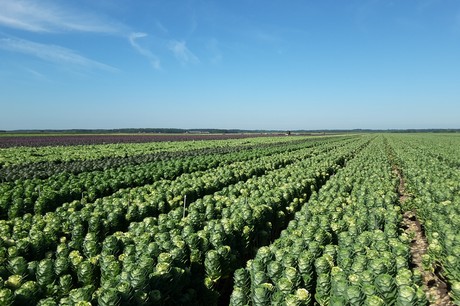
(44, 16)
(49, 17)
(182, 53)
(265, 36)
(60, 18)
(216, 54)
(52, 53)
(154, 60)
(161, 27)
(36, 74)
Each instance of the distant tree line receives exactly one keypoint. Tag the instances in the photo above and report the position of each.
(222, 131)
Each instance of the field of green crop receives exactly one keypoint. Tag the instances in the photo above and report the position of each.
(256, 221)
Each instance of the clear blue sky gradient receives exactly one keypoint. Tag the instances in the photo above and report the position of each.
(247, 64)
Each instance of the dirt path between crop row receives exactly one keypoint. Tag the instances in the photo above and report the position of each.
(435, 288)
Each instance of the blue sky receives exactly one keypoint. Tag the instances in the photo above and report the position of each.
(247, 64)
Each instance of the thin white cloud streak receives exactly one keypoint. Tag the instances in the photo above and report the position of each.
(213, 47)
(182, 53)
(161, 27)
(52, 53)
(265, 36)
(154, 60)
(43, 16)
(48, 17)
(36, 74)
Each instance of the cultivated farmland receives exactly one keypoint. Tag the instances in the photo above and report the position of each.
(335, 220)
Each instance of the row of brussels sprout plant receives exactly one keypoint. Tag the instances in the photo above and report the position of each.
(431, 166)
(38, 196)
(344, 246)
(140, 246)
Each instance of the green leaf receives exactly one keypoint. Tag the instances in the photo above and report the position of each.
(406, 296)
(355, 296)
(262, 294)
(285, 285)
(6, 297)
(238, 297)
(374, 300)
